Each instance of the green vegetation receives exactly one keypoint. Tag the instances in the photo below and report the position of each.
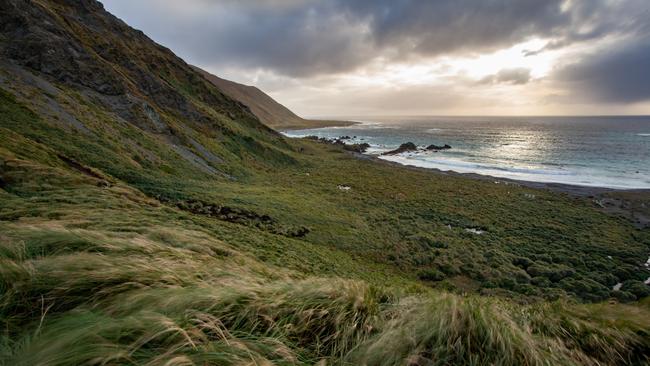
(94, 275)
(162, 224)
(413, 222)
(88, 255)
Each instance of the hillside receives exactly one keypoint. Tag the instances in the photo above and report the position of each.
(146, 217)
(270, 112)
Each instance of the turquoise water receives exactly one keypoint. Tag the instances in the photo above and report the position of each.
(593, 151)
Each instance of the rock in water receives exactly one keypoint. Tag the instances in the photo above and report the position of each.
(409, 146)
(436, 147)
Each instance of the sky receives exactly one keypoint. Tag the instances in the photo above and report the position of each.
(329, 58)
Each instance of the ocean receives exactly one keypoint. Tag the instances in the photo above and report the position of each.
(606, 151)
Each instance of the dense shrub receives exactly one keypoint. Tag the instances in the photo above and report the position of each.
(554, 272)
(431, 275)
(637, 288)
(623, 296)
(426, 241)
(585, 288)
(522, 262)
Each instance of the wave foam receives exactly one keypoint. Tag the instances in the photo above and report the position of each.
(583, 177)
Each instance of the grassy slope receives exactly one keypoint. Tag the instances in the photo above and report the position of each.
(270, 112)
(92, 257)
(116, 248)
(106, 275)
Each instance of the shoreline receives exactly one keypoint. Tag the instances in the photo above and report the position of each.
(573, 189)
(318, 123)
(631, 204)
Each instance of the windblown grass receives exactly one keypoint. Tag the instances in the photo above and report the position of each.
(285, 323)
(450, 330)
(86, 297)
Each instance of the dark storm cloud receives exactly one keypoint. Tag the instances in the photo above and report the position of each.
(617, 75)
(595, 19)
(297, 38)
(437, 27)
(304, 38)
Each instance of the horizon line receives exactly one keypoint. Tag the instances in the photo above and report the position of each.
(336, 118)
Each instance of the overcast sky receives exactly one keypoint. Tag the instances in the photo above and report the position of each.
(416, 57)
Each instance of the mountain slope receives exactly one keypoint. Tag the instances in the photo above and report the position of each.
(148, 218)
(270, 112)
(96, 67)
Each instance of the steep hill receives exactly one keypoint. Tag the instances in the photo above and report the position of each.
(270, 112)
(107, 82)
(146, 217)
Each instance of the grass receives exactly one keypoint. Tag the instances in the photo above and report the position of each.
(96, 270)
(154, 298)
(165, 236)
(107, 275)
(171, 295)
(446, 329)
(536, 244)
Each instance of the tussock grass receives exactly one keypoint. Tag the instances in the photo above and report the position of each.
(283, 323)
(608, 333)
(450, 330)
(446, 329)
(86, 297)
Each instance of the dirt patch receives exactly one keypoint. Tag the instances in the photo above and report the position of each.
(632, 205)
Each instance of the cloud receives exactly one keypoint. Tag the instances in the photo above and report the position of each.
(596, 19)
(369, 55)
(313, 37)
(431, 28)
(614, 75)
(516, 76)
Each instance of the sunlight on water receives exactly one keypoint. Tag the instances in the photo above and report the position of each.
(593, 151)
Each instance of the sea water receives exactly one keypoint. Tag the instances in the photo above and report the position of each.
(602, 151)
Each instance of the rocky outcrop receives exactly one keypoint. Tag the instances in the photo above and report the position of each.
(41, 44)
(405, 147)
(357, 148)
(436, 147)
(238, 216)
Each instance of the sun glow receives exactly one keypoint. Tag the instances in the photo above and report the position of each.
(519, 56)
(442, 70)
